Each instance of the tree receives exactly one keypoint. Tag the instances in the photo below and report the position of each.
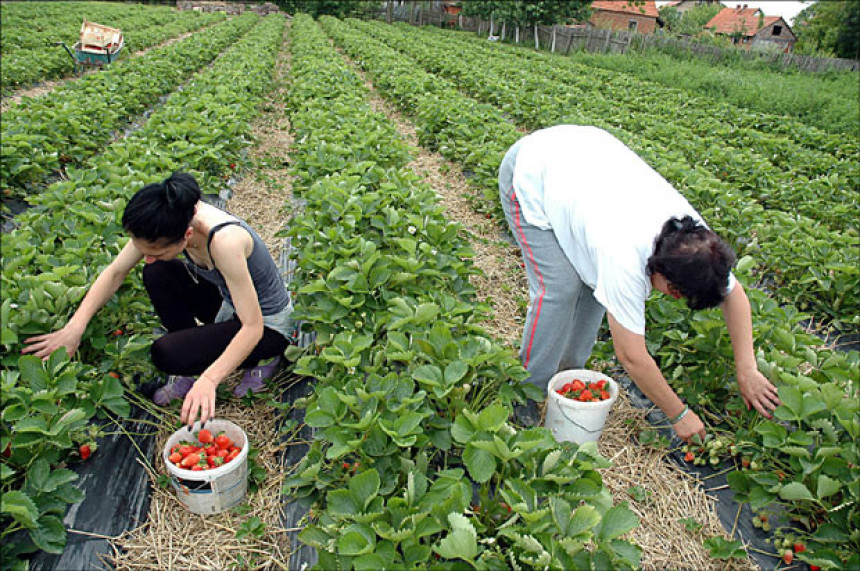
(337, 8)
(530, 13)
(829, 28)
(690, 23)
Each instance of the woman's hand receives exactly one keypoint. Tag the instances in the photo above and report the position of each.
(688, 426)
(69, 337)
(758, 392)
(200, 399)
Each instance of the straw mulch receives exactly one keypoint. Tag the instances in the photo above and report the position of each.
(670, 493)
(173, 537)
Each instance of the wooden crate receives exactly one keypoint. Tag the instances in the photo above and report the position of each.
(99, 38)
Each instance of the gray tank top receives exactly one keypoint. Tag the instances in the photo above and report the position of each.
(272, 294)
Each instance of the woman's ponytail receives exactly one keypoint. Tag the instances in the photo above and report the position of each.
(162, 211)
(181, 190)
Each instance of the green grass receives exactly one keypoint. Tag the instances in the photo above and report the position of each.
(826, 100)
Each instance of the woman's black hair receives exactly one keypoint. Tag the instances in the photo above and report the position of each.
(694, 260)
(162, 211)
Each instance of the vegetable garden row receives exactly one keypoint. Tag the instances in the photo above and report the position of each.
(48, 260)
(78, 120)
(31, 31)
(807, 257)
(415, 459)
(806, 458)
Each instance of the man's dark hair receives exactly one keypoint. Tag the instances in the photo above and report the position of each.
(694, 260)
(162, 211)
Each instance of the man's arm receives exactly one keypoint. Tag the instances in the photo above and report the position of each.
(756, 390)
(631, 350)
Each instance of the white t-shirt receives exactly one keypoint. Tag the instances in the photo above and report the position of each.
(605, 206)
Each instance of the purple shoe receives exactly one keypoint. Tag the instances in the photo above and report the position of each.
(176, 388)
(254, 378)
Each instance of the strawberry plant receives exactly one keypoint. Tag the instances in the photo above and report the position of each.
(692, 348)
(30, 30)
(414, 457)
(43, 260)
(801, 250)
(42, 136)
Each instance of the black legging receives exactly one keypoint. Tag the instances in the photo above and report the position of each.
(187, 348)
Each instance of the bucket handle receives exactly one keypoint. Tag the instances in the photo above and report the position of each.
(564, 414)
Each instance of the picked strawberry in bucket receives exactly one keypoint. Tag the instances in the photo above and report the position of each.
(578, 403)
(593, 391)
(208, 467)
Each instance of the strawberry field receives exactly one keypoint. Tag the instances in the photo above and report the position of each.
(412, 456)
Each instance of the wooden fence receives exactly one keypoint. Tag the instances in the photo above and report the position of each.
(565, 39)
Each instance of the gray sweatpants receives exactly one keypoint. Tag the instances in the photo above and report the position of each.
(563, 316)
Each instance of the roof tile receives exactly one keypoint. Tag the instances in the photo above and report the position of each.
(647, 8)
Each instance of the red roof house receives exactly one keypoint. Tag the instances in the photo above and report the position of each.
(635, 16)
(750, 27)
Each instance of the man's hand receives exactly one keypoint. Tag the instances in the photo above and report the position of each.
(688, 426)
(200, 399)
(42, 346)
(758, 392)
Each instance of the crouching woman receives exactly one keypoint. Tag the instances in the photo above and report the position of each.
(213, 284)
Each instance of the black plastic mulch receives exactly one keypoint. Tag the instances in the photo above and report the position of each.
(712, 482)
(302, 556)
(117, 495)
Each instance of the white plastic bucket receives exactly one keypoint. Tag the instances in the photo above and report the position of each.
(573, 421)
(215, 490)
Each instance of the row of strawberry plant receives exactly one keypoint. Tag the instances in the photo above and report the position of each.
(791, 129)
(817, 271)
(29, 25)
(772, 171)
(48, 261)
(142, 27)
(75, 122)
(410, 398)
(697, 355)
(777, 172)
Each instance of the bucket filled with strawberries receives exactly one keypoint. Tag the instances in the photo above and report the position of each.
(578, 403)
(208, 465)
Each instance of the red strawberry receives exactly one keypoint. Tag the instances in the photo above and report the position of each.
(223, 441)
(85, 451)
(799, 547)
(191, 460)
(689, 457)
